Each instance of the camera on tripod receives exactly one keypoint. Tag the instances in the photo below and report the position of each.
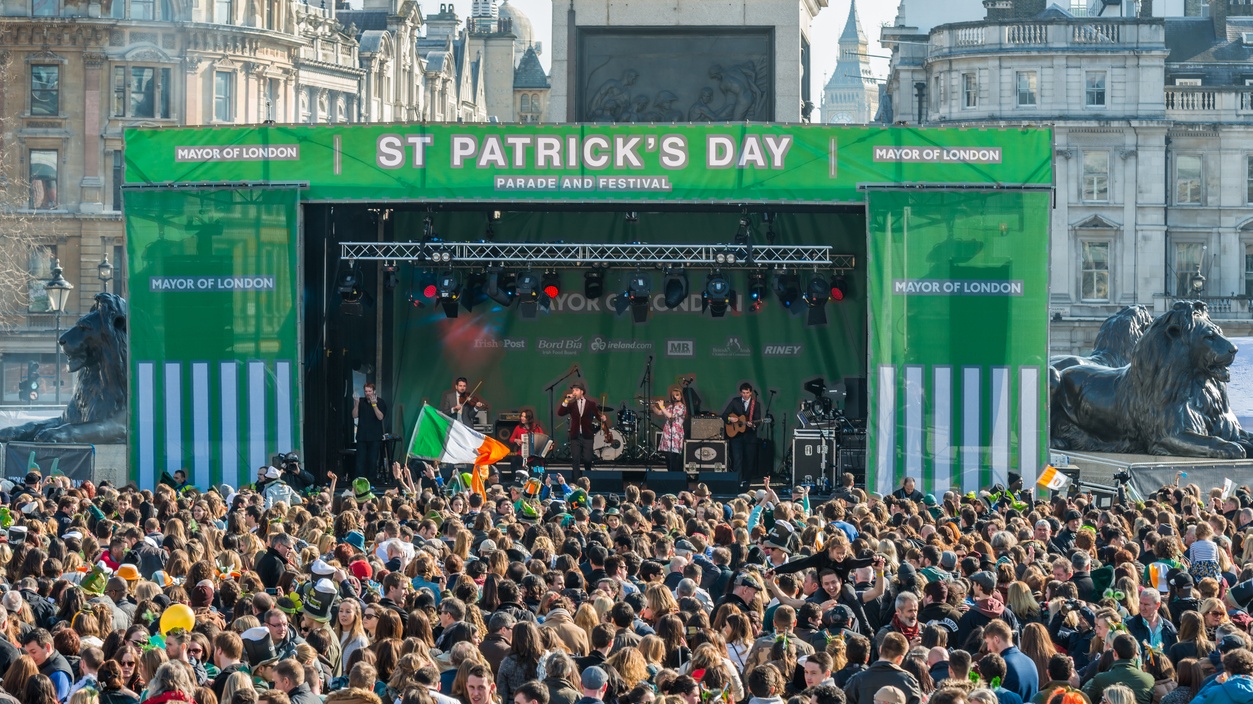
(825, 406)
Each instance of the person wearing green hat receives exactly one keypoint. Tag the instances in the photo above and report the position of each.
(361, 490)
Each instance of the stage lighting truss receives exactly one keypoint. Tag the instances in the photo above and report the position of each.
(572, 255)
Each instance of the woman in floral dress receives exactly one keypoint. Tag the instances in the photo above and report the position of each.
(672, 433)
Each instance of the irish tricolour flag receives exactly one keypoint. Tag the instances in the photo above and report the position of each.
(440, 438)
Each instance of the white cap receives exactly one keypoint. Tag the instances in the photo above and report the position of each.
(273, 473)
(487, 547)
(72, 535)
(325, 586)
(321, 568)
(255, 633)
(6, 486)
(30, 507)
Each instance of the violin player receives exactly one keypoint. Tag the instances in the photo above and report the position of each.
(459, 403)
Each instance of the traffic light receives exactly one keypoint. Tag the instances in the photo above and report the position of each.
(30, 385)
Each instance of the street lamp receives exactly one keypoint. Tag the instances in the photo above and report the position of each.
(105, 271)
(1198, 280)
(58, 294)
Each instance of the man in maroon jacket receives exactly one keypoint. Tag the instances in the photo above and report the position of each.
(582, 436)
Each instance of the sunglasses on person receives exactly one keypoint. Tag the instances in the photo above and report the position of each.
(138, 643)
(127, 663)
(369, 615)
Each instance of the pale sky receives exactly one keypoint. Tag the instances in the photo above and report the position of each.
(827, 28)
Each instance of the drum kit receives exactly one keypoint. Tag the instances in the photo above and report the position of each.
(629, 434)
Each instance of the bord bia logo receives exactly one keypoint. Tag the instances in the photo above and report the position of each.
(561, 346)
(781, 351)
(733, 348)
(680, 348)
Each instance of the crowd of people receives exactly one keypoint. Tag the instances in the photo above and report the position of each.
(432, 594)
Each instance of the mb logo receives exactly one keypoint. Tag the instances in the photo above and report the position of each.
(680, 348)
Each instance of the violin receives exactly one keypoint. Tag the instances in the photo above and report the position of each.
(465, 398)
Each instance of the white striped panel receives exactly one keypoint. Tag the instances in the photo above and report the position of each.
(914, 398)
(972, 432)
(230, 423)
(200, 453)
(256, 416)
(942, 431)
(1001, 418)
(885, 456)
(1029, 424)
(145, 392)
(282, 400)
(173, 417)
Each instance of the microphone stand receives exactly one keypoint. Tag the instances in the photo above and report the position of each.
(646, 383)
(764, 416)
(552, 399)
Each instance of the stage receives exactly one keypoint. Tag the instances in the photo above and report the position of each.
(1151, 472)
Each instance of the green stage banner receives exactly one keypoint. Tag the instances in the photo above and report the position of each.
(587, 163)
(213, 332)
(958, 291)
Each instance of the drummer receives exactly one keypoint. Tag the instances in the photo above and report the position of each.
(522, 442)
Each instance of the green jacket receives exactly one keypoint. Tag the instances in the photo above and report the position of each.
(1124, 672)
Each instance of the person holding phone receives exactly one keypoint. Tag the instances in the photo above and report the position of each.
(370, 412)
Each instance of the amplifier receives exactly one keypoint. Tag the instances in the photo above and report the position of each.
(808, 454)
(514, 416)
(705, 455)
(706, 428)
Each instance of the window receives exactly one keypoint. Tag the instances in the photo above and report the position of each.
(39, 266)
(43, 179)
(1187, 81)
(223, 11)
(970, 90)
(141, 91)
(223, 96)
(45, 8)
(1248, 180)
(1187, 263)
(526, 102)
(1095, 94)
(117, 182)
(1248, 270)
(1188, 179)
(1027, 88)
(1096, 176)
(1094, 271)
(143, 9)
(45, 90)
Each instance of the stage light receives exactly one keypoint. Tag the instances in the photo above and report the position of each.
(448, 290)
(500, 287)
(430, 291)
(443, 255)
(726, 256)
(594, 284)
(817, 293)
(636, 297)
(472, 292)
(756, 291)
(528, 287)
(551, 285)
(349, 283)
(674, 288)
(839, 288)
(718, 295)
(787, 288)
(390, 280)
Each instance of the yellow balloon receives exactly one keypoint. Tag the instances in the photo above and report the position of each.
(177, 616)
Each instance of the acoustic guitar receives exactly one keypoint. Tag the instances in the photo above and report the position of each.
(737, 424)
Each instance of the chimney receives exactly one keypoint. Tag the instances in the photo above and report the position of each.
(1146, 8)
(1008, 10)
(442, 24)
(1218, 13)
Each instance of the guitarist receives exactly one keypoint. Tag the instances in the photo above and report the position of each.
(742, 415)
(582, 435)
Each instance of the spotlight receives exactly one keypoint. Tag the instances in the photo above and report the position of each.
(551, 285)
(839, 288)
(632, 216)
(787, 288)
(817, 293)
(443, 255)
(349, 284)
(500, 287)
(529, 287)
(594, 284)
(473, 292)
(636, 297)
(718, 295)
(448, 290)
(675, 288)
(423, 289)
(726, 256)
(756, 291)
(390, 280)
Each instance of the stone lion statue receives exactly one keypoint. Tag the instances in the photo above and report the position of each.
(1171, 399)
(95, 348)
(1114, 341)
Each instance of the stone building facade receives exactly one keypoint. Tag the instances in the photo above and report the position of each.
(1153, 136)
(77, 73)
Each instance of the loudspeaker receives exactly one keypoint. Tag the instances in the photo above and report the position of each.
(722, 484)
(855, 401)
(667, 482)
(504, 428)
(605, 481)
(705, 455)
(705, 428)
